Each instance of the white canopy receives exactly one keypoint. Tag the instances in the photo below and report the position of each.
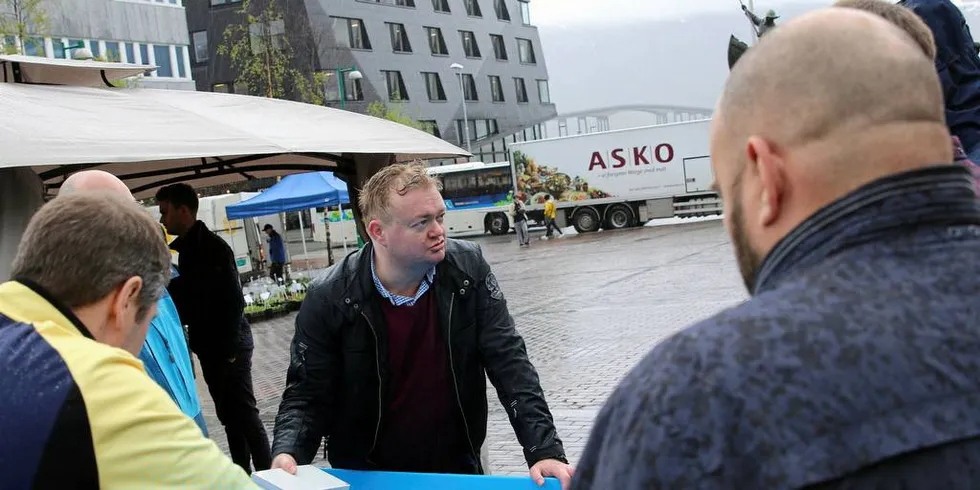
(150, 138)
(34, 69)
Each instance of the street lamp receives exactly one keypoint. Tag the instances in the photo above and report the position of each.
(466, 123)
(354, 75)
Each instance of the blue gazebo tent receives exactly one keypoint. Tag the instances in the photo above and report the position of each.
(296, 192)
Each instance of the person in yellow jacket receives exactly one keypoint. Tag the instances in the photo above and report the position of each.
(78, 409)
(550, 214)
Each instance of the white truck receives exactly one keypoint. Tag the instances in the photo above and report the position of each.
(243, 239)
(618, 179)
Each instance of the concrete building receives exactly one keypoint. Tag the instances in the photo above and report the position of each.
(404, 51)
(150, 32)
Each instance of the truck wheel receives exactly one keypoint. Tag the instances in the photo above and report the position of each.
(586, 220)
(498, 224)
(618, 217)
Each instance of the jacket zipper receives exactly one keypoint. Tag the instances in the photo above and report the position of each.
(452, 369)
(377, 360)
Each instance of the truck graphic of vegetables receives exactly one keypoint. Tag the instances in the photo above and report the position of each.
(535, 182)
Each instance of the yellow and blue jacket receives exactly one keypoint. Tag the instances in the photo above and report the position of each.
(75, 413)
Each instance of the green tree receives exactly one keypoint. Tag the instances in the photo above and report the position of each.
(384, 111)
(25, 19)
(262, 56)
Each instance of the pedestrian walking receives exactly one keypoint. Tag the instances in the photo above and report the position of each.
(519, 215)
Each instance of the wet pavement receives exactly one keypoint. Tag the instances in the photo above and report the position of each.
(588, 306)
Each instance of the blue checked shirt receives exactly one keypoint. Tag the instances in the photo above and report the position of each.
(403, 300)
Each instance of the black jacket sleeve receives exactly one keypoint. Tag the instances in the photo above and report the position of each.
(228, 289)
(512, 374)
(311, 382)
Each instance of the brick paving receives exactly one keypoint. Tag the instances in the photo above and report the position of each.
(589, 307)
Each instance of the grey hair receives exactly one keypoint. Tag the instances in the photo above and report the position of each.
(83, 246)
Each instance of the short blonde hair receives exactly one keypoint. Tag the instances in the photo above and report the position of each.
(375, 197)
(901, 16)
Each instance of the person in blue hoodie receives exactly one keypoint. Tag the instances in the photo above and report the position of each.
(165, 353)
(853, 365)
(958, 66)
(167, 358)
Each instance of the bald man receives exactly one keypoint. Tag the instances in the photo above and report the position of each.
(854, 364)
(165, 354)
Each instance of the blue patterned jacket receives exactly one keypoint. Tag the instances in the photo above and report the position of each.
(856, 364)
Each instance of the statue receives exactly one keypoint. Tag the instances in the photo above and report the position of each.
(762, 26)
(736, 47)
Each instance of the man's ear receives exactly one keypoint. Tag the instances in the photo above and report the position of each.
(126, 298)
(376, 231)
(768, 166)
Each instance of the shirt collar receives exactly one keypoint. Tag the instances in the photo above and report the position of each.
(933, 196)
(398, 300)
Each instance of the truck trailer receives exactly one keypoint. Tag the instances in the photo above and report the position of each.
(618, 179)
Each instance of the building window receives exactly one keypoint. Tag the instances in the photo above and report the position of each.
(216, 3)
(181, 69)
(112, 52)
(162, 60)
(399, 38)
(470, 47)
(396, 86)
(521, 90)
(353, 30)
(496, 89)
(405, 3)
(145, 55)
(525, 12)
(499, 47)
(224, 88)
(437, 44)
(441, 6)
(93, 46)
(130, 49)
(34, 46)
(59, 49)
(433, 85)
(264, 35)
(525, 51)
(431, 127)
(200, 41)
(544, 94)
(500, 7)
(473, 8)
(469, 88)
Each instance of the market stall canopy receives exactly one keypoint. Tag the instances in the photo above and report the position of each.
(151, 138)
(33, 69)
(295, 192)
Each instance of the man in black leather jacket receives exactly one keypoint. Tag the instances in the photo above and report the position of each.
(393, 346)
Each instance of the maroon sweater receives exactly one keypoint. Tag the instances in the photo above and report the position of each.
(421, 429)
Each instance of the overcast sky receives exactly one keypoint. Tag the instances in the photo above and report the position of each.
(572, 12)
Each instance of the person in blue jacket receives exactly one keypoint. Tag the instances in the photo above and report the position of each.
(958, 66)
(277, 253)
(167, 359)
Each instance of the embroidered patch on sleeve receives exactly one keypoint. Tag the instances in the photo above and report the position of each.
(494, 288)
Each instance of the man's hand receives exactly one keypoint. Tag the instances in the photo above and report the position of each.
(550, 467)
(286, 462)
